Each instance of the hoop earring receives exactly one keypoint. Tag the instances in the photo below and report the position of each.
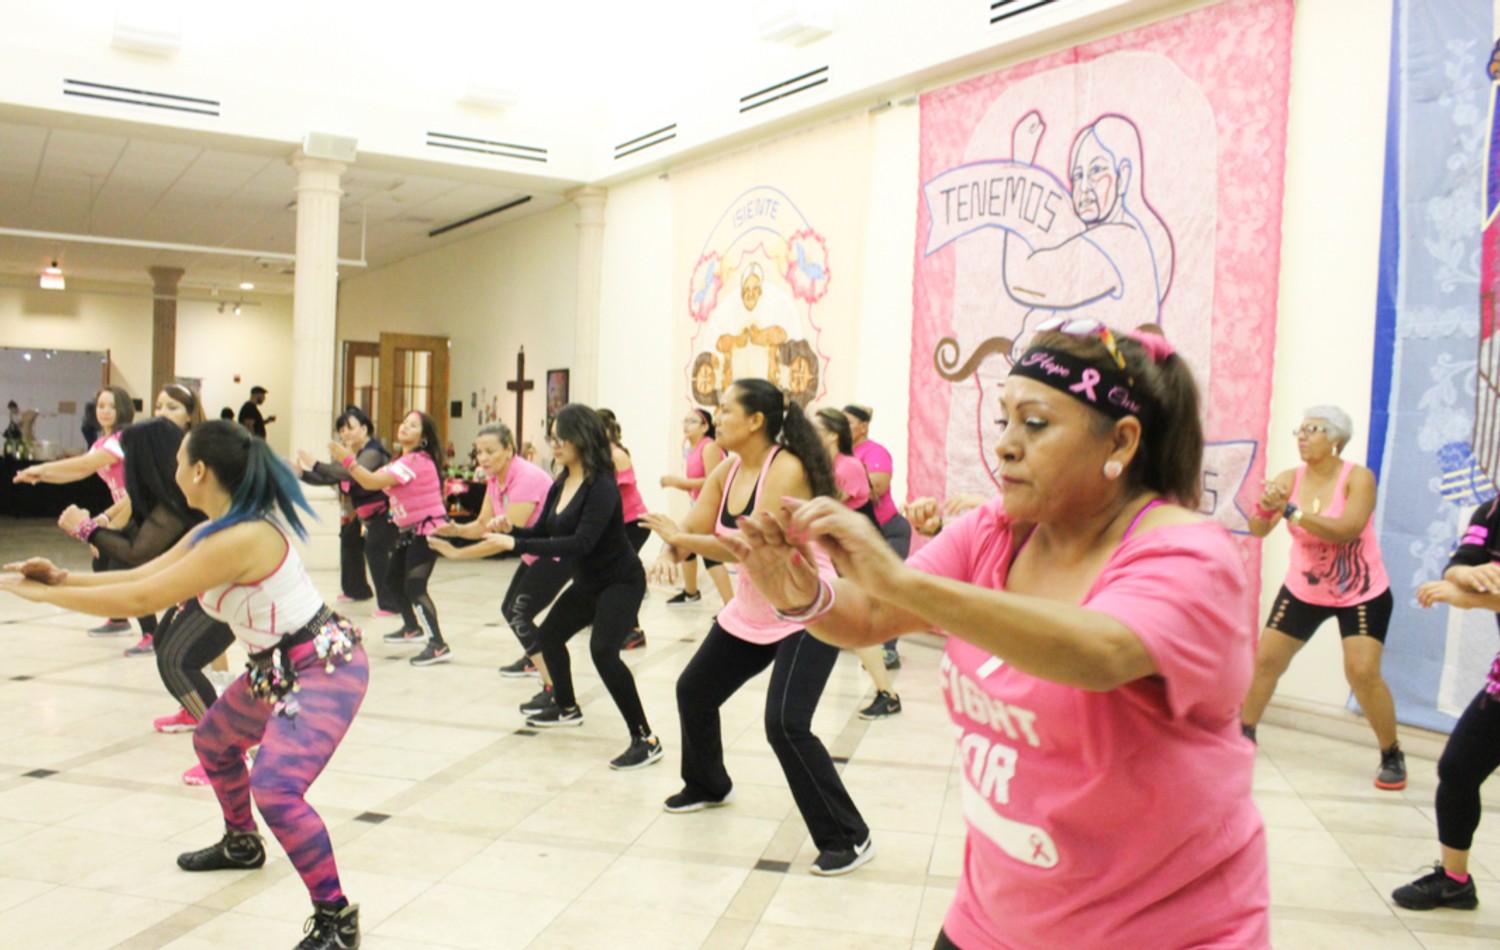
(1113, 469)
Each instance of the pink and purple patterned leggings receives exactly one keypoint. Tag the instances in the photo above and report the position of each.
(292, 754)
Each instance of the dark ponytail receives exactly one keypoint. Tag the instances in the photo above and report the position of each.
(838, 423)
(257, 481)
(787, 427)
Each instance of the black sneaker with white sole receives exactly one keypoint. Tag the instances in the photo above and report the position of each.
(684, 599)
(236, 851)
(642, 752)
(541, 702)
(554, 716)
(885, 704)
(838, 861)
(331, 928)
(1437, 889)
(433, 654)
(688, 800)
(521, 668)
(405, 636)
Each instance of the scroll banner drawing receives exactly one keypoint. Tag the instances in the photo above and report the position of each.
(1135, 180)
(1435, 439)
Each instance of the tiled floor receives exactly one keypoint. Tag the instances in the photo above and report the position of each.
(454, 827)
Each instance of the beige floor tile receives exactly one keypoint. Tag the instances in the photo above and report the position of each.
(1334, 889)
(668, 885)
(1313, 935)
(846, 905)
(769, 936)
(589, 925)
(551, 871)
(80, 919)
(457, 916)
(391, 848)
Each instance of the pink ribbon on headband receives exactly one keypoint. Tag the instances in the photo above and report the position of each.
(1156, 346)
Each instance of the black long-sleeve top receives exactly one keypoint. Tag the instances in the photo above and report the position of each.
(142, 541)
(372, 457)
(590, 532)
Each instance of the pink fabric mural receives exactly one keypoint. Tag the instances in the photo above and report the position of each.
(1135, 180)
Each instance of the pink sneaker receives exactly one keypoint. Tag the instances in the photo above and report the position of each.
(195, 776)
(180, 721)
(144, 648)
(386, 613)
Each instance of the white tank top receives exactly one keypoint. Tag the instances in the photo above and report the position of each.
(262, 613)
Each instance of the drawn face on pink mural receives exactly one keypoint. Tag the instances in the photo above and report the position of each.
(1096, 186)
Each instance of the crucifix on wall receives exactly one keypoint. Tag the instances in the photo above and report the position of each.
(520, 386)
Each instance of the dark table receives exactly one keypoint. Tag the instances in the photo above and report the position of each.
(47, 501)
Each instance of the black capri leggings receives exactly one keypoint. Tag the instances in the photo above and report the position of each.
(186, 641)
(407, 575)
(533, 588)
(1471, 756)
(612, 610)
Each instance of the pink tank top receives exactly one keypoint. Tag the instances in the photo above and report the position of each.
(748, 615)
(633, 506)
(1329, 574)
(695, 468)
(113, 474)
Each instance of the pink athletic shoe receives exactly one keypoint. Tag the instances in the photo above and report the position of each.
(180, 721)
(386, 613)
(195, 776)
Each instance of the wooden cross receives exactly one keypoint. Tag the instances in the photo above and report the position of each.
(520, 386)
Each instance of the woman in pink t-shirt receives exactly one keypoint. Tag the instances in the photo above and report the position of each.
(415, 488)
(1100, 638)
(632, 508)
(1336, 573)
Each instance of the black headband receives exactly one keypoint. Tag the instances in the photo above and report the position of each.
(858, 412)
(1102, 387)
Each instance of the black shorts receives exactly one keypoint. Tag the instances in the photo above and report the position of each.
(707, 564)
(1300, 620)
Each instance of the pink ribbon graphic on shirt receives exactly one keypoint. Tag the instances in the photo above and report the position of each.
(1088, 382)
(1039, 850)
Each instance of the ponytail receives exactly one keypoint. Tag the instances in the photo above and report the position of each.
(787, 427)
(256, 479)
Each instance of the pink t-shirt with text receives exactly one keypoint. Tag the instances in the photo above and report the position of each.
(113, 474)
(1119, 818)
(524, 482)
(418, 498)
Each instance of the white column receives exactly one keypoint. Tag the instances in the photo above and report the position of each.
(314, 338)
(584, 381)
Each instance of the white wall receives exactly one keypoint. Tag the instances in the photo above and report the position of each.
(512, 287)
(210, 345)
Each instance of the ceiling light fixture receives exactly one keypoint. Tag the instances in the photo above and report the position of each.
(793, 22)
(236, 309)
(246, 285)
(52, 278)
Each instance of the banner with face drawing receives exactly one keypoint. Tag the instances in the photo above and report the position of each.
(1136, 180)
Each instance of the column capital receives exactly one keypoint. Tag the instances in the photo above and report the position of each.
(316, 172)
(590, 201)
(164, 279)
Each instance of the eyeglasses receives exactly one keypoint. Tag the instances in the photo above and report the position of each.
(1083, 328)
(1308, 429)
(554, 441)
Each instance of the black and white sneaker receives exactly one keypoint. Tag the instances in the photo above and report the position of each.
(885, 704)
(236, 851)
(541, 702)
(642, 752)
(684, 599)
(405, 636)
(521, 668)
(554, 716)
(331, 928)
(688, 800)
(843, 860)
(1392, 774)
(433, 654)
(1437, 890)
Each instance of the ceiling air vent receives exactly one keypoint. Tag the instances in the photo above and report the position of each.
(466, 143)
(642, 142)
(478, 217)
(140, 97)
(782, 90)
(1002, 10)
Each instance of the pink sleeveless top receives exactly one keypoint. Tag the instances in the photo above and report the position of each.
(694, 467)
(748, 615)
(1329, 574)
(113, 474)
(632, 505)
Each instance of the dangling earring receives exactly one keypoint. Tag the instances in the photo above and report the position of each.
(1112, 469)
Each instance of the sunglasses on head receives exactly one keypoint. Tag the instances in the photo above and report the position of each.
(1084, 328)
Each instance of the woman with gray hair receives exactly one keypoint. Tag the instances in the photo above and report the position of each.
(1336, 571)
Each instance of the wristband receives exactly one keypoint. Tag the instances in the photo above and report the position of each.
(1264, 514)
(86, 529)
(821, 606)
(349, 461)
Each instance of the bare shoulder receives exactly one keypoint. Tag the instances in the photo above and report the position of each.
(1286, 478)
(1169, 515)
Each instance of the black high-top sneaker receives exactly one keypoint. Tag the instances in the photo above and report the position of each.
(237, 851)
(331, 928)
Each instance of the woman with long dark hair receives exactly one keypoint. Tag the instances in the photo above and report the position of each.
(366, 534)
(113, 411)
(632, 508)
(582, 523)
(415, 487)
(701, 455)
(308, 673)
(776, 455)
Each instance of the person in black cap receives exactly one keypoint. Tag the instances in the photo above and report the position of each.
(250, 416)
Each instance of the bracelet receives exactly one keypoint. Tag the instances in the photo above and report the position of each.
(1288, 511)
(812, 613)
(86, 529)
(1264, 514)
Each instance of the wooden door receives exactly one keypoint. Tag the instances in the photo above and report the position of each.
(413, 378)
(361, 385)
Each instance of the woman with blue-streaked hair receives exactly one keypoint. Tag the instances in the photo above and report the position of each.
(308, 673)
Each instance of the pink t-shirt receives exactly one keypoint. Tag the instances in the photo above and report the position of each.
(114, 473)
(524, 482)
(850, 477)
(1333, 574)
(876, 460)
(418, 498)
(694, 467)
(1119, 818)
(632, 505)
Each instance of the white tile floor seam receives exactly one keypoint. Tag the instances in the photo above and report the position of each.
(455, 826)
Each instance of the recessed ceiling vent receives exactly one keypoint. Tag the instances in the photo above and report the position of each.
(140, 97)
(466, 143)
(642, 142)
(515, 203)
(1002, 10)
(784, 89)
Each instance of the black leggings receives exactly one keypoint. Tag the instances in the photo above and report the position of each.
(943, 943)
(187, 641)
(612, 610)
(802, 665)
(1471, 756)
(380, 539)
(148, 622)
(407, 574)
(531, 590)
